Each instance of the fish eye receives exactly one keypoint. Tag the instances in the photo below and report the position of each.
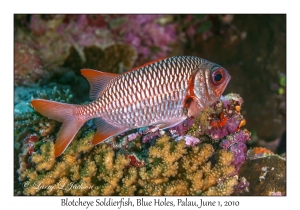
(217, 76)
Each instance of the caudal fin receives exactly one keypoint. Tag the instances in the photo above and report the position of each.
(63, 113)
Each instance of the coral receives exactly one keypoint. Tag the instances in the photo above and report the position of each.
(222, 122)
(241, 187)
(27, 119)
(151, 38)
(176, 170)
(151, 136)
(48, 171)
(27, 149)
(258, 152)
(53, 35)
(201, 27)
(116, 58)
(45, 160)
(266, 175)
(49, 40)
(237, 144)
(27, 64)
(113, 43)
(182, 128)
(32, 130)
(172, 169)
(191, 141)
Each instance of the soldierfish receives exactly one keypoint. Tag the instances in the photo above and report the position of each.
(163, 92)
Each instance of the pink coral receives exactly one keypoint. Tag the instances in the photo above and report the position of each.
(132, 136)
(182, 128)
(191, 140)
(151, 136)
(150, 38)
(232, 124)
(237, 144)
(27, 64)
(217, 133)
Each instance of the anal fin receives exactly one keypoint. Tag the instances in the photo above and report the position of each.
(105, 131)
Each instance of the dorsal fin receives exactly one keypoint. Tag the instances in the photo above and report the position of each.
(98, 80)
(146, 64)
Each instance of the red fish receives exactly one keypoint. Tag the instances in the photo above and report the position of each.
(163, 92)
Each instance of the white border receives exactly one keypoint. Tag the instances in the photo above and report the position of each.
(8, 201)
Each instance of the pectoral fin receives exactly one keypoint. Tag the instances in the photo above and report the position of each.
(193, 108)
(171, 123)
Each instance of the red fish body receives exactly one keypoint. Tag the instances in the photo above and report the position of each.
(164, 93)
